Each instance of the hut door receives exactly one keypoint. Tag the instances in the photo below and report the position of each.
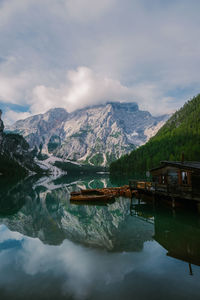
(184, 177)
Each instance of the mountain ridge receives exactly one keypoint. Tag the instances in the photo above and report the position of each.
(93, 135)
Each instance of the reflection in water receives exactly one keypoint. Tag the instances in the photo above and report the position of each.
(177, 231)
(54, 250)
(179, 234)
(48, 215)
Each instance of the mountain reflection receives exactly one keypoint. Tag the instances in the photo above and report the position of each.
(44, 211)
(54, 250)
(40, 207)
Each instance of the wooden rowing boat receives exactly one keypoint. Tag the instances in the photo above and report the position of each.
(92, 202)
(93, 198)
(92, 192)
(76, 193)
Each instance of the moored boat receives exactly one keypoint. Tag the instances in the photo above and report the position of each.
(92, 192)
(91, 198)
(99, 195)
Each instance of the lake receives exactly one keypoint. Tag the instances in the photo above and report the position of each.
(51, 249)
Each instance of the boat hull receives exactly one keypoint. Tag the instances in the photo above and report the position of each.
(91, 198)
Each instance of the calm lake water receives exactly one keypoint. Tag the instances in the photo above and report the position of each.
(50, 249)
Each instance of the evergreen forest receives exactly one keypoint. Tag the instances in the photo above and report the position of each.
(180, 134)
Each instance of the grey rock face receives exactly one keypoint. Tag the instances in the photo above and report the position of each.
(14, 149)
(95, 135)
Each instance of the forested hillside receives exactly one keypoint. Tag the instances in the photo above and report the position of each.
(181, 133)
(15, 158)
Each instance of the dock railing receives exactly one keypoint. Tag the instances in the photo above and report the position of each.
(162, 189)
(142, 185)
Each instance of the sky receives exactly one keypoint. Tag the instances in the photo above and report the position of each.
(75, 53)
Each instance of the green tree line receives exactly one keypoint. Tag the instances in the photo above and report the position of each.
(181, 133)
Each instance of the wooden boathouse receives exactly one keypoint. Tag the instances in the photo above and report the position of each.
(176, 179)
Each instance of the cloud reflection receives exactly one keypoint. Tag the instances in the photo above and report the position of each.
(83, 270)
(70, 271)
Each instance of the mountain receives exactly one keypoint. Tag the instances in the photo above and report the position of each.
(94, 135)
(180, 134)
(15, 157)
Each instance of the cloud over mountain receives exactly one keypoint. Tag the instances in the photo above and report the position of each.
(74, 52)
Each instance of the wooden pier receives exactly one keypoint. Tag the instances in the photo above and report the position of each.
(175, 179)
(153, 188)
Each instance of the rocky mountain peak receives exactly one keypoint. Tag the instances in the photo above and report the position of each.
(126, 106)
(93, 135)
(57, 113)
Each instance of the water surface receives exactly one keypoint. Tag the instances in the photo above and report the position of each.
(50, 249)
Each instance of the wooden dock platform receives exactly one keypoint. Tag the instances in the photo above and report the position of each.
(173, 191)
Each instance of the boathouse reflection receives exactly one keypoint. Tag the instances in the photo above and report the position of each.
(176, 230)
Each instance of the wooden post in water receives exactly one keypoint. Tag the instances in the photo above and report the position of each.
(173, 202)
(131, 206)
(190, 268)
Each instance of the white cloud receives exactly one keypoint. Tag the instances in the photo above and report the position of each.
(78, 265)
(83, 87)
(12, 88)
(85, 10)
(8, 8)
(77, 10)
(6, 234)
(131, 50)
(12, 116)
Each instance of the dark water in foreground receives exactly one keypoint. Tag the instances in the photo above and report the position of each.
(50, 249)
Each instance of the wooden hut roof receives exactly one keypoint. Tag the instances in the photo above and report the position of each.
(187, 165)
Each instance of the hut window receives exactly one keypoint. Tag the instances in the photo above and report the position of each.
(184, 177)
(162, 179)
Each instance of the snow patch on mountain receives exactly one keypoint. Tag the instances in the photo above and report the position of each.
(151, 131)
(48, 164)
(94, 135)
